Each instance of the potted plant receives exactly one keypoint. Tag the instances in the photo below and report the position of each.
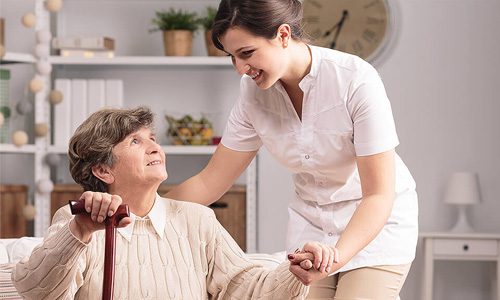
(207, 22)
(178, 27)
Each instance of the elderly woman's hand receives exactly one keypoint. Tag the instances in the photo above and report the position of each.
(99, 206)
(315, 261)
(324, 256)
(301, 267)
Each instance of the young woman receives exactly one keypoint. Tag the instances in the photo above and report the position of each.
(169, 250)
(325, 115)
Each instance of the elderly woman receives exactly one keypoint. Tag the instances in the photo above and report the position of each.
(167, 249)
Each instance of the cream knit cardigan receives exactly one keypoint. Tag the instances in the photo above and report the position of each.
(195, 259)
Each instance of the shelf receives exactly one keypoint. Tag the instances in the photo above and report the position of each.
(10, 148)
(169, 150)
(220, 61)
(14, 57)
(189, 150)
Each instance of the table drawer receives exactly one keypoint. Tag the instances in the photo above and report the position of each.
(465, 247)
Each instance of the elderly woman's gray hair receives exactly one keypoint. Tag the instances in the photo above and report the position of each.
(93, 142)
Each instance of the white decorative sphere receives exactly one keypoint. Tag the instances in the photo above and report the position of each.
(19, 138)
(43, 67)
(29, 212)
(29, 20)
(52, 159)
(53, 5)
(41, 129)
(43, 36)
(24, 107)
(2, 51)
(56, 97)
(35, 85)
(44, 186)
(41, 51)
(2, 119)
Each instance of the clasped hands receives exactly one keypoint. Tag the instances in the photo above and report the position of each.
(314, 262)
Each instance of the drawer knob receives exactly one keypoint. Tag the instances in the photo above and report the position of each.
(465, 247)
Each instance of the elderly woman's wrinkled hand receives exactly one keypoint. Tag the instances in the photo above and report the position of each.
(98, 206)
(302, 267)
(314, 262)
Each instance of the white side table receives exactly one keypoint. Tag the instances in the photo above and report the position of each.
(456, 246)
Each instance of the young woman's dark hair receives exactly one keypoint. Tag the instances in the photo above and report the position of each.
(260, 17)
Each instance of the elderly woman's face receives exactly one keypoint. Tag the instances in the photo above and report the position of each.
(139, 159)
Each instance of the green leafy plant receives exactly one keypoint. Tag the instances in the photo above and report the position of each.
(208, 20)
(5, 110)
(175, 20)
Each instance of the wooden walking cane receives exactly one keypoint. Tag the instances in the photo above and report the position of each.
(78, 207)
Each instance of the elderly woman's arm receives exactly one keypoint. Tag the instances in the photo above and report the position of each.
(55, 268)
(231, 275)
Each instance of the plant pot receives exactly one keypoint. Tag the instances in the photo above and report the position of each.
(211, 49)
(178, 42)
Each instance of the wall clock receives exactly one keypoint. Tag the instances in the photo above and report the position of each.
(361, 27)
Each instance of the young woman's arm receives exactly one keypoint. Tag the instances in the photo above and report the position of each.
(215, 179)
(377, 174)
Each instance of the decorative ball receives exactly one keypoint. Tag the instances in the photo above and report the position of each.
(56, 97)
(2, 51)
(52, 159)
(43, 36)
(24, 107)
(41, 129)
(19, 138)
(29, 212)
(53, 5)
(43, 67)
(29, 20)
(41, 51)
(35, 85)
(44, 186)
(2, 119)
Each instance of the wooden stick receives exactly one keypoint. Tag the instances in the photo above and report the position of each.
(78, 207)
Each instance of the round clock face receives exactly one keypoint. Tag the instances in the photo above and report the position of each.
(359, 27)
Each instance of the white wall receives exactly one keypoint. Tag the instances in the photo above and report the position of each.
(442, 78)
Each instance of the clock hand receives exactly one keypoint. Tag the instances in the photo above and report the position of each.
(339, 25)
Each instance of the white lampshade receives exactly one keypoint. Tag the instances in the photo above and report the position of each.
(463, 188)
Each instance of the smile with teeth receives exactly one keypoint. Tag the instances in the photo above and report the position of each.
(154, 162)
(254, 75)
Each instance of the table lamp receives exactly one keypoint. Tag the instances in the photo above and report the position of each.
(462, 190)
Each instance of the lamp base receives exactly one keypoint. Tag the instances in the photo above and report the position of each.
(462, 225)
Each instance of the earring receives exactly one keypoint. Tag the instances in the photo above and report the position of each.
(285, 44)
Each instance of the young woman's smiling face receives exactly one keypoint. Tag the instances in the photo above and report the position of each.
(260, 58)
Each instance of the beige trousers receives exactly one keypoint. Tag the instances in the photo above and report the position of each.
(367, 283)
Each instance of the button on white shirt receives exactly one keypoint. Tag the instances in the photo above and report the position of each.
(345, 113)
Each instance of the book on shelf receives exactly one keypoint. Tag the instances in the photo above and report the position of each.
(82, 97)
(86, 53)
(84, 43)
(78, 103)
(62, 113)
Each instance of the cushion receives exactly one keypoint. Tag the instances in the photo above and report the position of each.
(20, 248)
(268, 261)
(4, 257)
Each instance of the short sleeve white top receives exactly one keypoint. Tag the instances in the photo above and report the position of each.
(345, 113)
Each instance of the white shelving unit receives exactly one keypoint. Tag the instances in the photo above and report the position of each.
(9, 148)
(42, 115)
(42, 145)
(196, 61)
(14, 57)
